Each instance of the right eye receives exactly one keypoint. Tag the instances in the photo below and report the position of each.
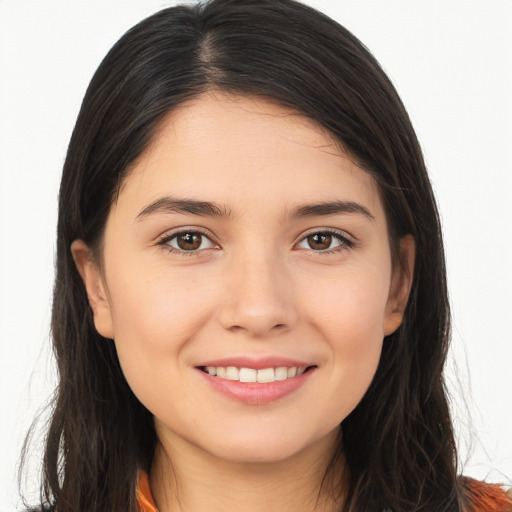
(187, 241)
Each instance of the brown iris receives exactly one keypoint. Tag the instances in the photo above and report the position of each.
(189, 241)
(319, 241)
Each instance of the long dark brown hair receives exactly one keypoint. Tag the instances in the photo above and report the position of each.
(398, 443)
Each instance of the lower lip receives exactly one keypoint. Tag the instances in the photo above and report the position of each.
(256, 393)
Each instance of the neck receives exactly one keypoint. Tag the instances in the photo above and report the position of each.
(184, 478)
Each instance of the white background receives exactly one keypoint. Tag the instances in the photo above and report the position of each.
(450, 61)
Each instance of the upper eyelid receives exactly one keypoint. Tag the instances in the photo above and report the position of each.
(332, 231)
(167, 235)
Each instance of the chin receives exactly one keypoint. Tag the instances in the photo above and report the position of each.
(257, 453)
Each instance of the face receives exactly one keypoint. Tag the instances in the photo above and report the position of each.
(246, 280)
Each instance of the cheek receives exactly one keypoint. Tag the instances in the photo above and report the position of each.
(156, 308)
(350, 316)
(352, 306)
(153, 319)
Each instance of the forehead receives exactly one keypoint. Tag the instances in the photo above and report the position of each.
(239, 147)
(216, 109)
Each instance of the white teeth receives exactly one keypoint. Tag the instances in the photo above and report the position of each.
(281, 373)
(248, 375)
(292, 372)
(266, 375)
(232, 373)
(262, 376)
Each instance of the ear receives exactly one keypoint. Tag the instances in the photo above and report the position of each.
(95, 288)
(401, 282)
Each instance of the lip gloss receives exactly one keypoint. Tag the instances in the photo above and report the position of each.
(256, 393)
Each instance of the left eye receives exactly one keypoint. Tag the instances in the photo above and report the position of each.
(189, 241)
(322, 241)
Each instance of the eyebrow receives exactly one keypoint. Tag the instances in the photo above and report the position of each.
(209, 209)
(330, 208)
(191, 206)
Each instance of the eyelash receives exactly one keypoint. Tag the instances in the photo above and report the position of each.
(346, 242)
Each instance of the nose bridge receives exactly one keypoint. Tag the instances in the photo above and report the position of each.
(257, 297)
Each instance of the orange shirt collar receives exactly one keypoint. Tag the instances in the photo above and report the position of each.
(483, 496)
(145, 500)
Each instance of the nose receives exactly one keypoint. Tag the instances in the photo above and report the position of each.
(258, 297)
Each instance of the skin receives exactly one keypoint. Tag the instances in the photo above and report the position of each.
(255, 286)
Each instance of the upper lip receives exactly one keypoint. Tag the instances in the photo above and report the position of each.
(256, 363)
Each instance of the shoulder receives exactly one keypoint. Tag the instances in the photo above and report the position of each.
(484, 497)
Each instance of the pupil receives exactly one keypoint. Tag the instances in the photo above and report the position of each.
(319, 241)
(189, 241)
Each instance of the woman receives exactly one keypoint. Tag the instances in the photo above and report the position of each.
(250, 305)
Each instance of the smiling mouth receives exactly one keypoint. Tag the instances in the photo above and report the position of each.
(262, 376)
